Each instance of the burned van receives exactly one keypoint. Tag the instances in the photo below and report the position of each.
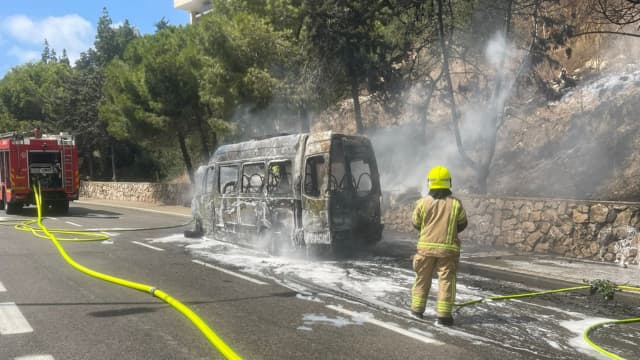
(313, 191)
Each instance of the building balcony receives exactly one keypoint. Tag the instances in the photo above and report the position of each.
(196, 8)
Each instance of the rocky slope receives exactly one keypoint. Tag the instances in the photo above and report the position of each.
(584, 146)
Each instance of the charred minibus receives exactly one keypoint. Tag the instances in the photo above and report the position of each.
(318, 191)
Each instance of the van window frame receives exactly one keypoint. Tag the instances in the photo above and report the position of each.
(210, 179)
(279, 162)
(219, 177)
(263, 176)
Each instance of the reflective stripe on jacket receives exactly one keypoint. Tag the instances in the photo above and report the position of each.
(438, 221)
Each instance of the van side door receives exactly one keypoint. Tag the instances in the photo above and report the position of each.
(315, 215)
(206, 199)
(226, 203)
(251, 203)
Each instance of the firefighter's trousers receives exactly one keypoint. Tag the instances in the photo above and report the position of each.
(424, 267)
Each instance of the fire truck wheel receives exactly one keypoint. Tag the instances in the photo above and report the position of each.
(13, 208)
(61, 206)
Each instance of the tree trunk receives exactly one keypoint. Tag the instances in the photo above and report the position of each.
(185, 156)
(90, 157)
(355, 95)
(204, 150)
(305, 119)
(499, 103)
(452, 100)
(113, 163)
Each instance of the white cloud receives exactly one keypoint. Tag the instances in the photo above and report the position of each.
(24, 55)
(71, 32)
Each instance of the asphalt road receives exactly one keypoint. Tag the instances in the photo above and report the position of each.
(48, 310)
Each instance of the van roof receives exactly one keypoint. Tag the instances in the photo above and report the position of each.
(283, 146)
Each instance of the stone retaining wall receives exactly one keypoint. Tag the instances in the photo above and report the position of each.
(164, 193)
(571, 228)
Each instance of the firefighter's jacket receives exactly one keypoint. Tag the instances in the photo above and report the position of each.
(439, 221)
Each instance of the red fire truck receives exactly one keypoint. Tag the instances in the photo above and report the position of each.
(29, 159)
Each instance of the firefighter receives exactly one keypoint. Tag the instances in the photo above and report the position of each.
(438, 217)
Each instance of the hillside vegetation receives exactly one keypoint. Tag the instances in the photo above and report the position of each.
(474, 85)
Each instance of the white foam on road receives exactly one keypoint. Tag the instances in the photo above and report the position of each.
(578, 327)
(72, 223)
(35, 357)
(12, 321)
(368, 318)
(2, 288)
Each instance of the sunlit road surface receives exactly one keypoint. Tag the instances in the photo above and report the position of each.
(267, 307)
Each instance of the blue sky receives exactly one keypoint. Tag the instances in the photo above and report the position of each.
(70, 24)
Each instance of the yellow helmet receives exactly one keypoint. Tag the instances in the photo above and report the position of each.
(439, 178)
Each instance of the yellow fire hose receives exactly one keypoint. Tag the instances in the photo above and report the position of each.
(585, 334)
(213, 338)
(216, 341)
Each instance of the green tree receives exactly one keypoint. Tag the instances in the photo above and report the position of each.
(360, 41)
(112, 42)
(243, 68)
(34, 94)
(85, 89)
(153, 95)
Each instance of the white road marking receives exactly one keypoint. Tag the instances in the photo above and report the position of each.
(109, 234)
(2, 288)
(12, 321)
(388, 326)
(149, 246)
(35, 357)
(51, 218)
(230, 272)
(72, 223)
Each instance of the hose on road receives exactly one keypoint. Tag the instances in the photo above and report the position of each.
(43, 232)
(585, 334)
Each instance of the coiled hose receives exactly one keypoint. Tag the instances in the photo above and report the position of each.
(43, 232)
(585, 334)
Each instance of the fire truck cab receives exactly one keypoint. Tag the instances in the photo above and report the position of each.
(27, 160)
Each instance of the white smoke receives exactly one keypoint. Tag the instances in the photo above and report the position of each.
(405, 156)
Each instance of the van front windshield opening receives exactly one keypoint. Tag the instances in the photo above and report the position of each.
(350, 169)
(361, 176)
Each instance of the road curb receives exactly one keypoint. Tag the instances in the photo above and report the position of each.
(133, 207)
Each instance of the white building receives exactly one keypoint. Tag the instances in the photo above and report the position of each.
(196, 8)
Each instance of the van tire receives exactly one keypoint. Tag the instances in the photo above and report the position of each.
(197, 232)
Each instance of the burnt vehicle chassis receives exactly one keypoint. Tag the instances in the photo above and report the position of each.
(318, 191)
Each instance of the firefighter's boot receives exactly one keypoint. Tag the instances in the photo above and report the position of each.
(445, 321)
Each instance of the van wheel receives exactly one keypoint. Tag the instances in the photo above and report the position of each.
(197, 232)
(319, 252)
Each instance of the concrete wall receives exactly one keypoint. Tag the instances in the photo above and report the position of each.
(571, 228)
(164, 193)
